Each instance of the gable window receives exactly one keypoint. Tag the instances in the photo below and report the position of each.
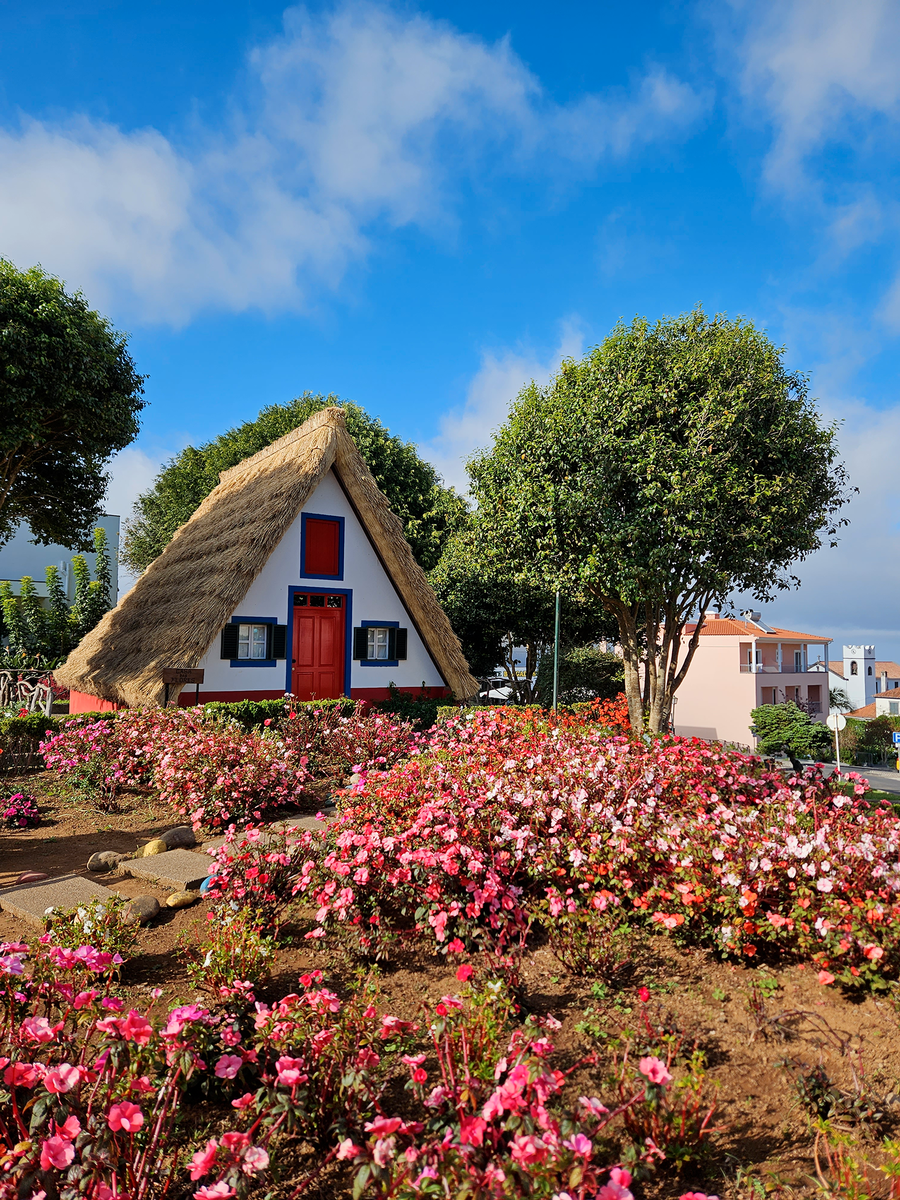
(321, 546)
(379, 644)
(253, 642)
(377, 638)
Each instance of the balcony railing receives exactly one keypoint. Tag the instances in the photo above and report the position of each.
(774, 669)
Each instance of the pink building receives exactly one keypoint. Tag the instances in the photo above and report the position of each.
(742, 663)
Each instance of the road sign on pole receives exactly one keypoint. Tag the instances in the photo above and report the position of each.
(896, 737)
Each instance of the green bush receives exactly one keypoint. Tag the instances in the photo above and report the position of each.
(786, 727)
(585, 673)
(252, 713)
(420, 710)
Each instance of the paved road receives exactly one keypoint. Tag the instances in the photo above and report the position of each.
(880, 778)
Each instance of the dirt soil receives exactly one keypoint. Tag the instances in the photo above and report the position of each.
(755, 1048)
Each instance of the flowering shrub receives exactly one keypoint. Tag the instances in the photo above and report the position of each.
(213, 770)
(254, 869)
(99, 1100)
(331, 743)
(502, 810)
(19, 811)
(234, 955)
(99, 924)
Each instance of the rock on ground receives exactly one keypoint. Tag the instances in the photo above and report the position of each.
(180, 838)
(141, 910)
(104, 860)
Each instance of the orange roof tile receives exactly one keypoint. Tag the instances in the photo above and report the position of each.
(732, 627)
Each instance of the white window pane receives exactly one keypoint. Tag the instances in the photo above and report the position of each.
(243, 641)
(377, 643)
(260, 637)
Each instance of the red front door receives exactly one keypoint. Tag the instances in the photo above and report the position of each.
(320, 630)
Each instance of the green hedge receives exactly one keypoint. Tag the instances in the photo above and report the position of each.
(251, 713)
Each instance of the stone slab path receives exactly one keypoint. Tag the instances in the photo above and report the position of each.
(30, 901)
(180, 870)
(312, 823)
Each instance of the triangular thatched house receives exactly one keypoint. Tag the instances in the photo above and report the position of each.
(293, 575)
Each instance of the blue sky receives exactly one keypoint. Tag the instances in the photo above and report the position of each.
(421, 208)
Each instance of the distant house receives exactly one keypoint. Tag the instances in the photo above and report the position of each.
(862, 676)
(20, 556)
(741, 664)
(885, 704)
(292, 576)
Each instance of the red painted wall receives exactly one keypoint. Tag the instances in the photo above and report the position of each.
(82, 702)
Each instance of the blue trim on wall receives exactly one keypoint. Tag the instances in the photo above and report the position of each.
(254, 662)
(348, 628)
(379, 662)
(304, 574)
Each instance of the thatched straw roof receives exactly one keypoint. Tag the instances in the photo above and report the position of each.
(178, 607)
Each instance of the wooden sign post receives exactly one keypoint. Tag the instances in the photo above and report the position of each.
(182, 675)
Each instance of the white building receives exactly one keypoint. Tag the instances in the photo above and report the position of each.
(20, 556)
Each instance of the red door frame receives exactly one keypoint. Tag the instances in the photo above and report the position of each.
(348, 629)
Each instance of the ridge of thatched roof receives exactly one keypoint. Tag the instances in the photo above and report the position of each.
(179, 605)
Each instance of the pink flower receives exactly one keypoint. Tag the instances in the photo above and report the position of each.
(125, 1116)
(22, 1075)
(456, 947)
(579, 1144)
(244, 1102)
(56, 1152)
(643, 995)
(655, 1070)
(528, 1148)
(696, 1196)
(39, 1029)
(464, 972)
(228, 1066)
(63, 1078)
(203, 1160)
(289, 1072)
(216, 1191)
(617, 1188)
(873, 953)
(347, 1149)
(255, 1159)
(825, 977)
(471, 1130)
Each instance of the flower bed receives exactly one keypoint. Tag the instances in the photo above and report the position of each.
(503, 815)
(215, 771)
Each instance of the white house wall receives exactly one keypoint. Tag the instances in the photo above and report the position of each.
(373, 598)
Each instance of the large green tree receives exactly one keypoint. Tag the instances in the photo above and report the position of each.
(494, 610)
(675, 464)
(69, 399)
(429, 510)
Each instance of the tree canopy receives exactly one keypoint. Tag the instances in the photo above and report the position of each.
(493, 610)
(787, 727)
(429, 510)
(69, 399)
(676, 463)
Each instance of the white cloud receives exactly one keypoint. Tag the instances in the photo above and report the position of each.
(131, 471)
(498, 381)
(353, 120)
(850, 592)
(820, 70)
